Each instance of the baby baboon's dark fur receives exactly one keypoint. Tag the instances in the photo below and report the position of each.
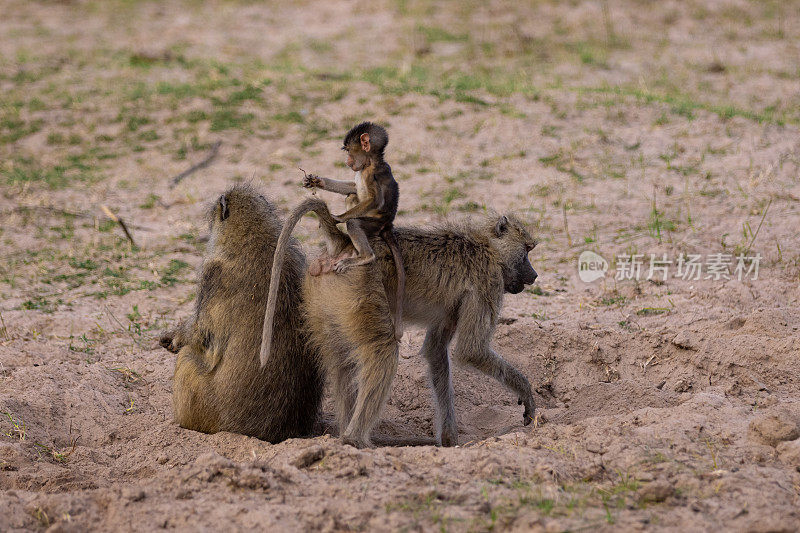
(219, 384)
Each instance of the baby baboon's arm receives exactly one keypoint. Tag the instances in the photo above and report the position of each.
(368, 205)
(337, 186)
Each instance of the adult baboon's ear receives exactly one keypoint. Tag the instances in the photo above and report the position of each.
(501, 226)
(365, 142)
(223, 208)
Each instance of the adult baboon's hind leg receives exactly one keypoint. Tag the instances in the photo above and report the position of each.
(344, 393)
(192, 393)
(473, 334)
(377, 365)
(434, 349)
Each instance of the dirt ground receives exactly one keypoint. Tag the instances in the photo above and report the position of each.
(620, 127)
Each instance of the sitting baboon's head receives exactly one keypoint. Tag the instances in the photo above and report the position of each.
(242, 216)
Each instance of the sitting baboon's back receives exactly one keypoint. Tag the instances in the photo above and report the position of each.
(218, 383)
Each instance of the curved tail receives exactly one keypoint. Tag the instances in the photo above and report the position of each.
(311, 204)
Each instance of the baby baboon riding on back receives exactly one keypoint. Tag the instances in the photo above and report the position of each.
(371, 208)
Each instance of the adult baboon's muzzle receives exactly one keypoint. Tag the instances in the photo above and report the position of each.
(528, 273)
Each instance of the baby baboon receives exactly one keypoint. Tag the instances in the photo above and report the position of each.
(456, 278)
(218, 383)
(371, 203)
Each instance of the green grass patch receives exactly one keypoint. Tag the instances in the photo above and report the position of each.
(435, 34)
(175, 266)
(684, 105)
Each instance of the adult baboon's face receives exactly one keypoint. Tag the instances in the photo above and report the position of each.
(514, 244)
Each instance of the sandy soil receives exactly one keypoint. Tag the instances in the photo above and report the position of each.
(619, 127)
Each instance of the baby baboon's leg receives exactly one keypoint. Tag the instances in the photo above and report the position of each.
(359, 237)
(472, 347)
(434, 349)
(376, 370)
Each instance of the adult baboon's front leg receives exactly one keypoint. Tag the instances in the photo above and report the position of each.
(434, 349)
(474, 333)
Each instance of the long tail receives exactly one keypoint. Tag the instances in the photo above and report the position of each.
(389, 237)
(311, 204)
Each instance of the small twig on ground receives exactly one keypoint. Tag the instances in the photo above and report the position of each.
(766, 209)
(135, 340)
(202, 164)
(110, 214)
(566, 228)
(64, 212)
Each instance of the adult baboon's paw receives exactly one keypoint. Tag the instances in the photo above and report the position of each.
(449, 438)
(356, 442)
(166, 341)
(530, 409)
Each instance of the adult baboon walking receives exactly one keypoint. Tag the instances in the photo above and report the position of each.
(456, 276)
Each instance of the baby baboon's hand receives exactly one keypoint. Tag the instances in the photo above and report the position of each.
(312, 180)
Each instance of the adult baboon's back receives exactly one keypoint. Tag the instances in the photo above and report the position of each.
(219, 384)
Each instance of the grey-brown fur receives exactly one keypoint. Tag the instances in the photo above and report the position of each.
(351, 327)
(456, 278)
(218, 383)
(457, 275)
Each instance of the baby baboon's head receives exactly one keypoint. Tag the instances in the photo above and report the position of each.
(362, 142)
(242, 216)
(513, 243)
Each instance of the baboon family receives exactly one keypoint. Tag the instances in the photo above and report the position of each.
(338, 326)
